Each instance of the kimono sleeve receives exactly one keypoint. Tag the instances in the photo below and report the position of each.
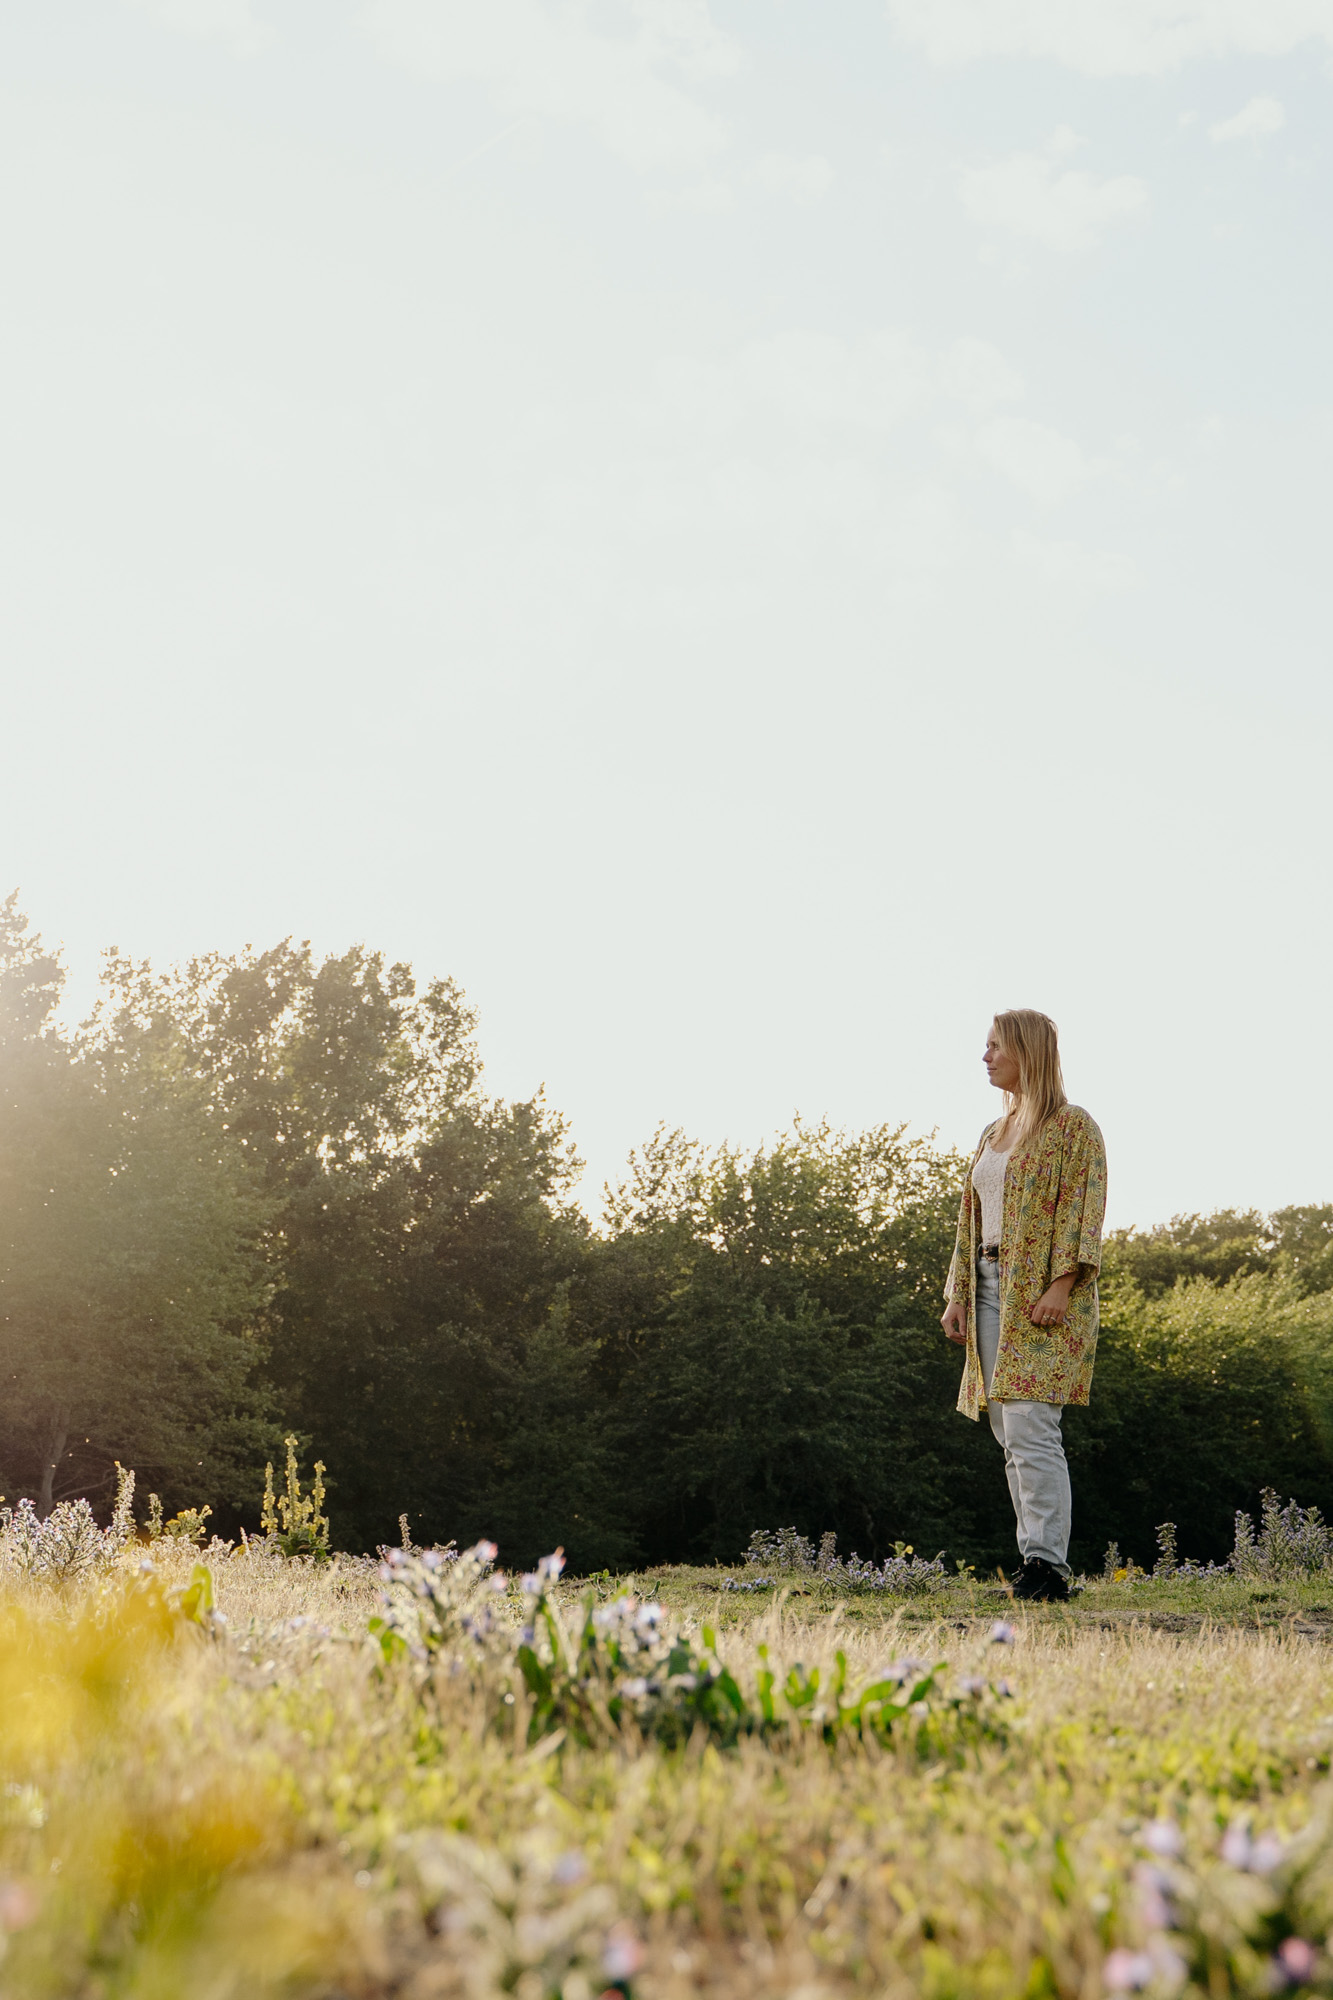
(1081, 1201)
(958, 1284)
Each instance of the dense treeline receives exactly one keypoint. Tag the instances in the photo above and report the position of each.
(263, 1193)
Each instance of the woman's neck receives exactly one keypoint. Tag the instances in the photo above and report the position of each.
(1003, 1136)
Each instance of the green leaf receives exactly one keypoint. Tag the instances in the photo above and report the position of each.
(534, 1673)
(196, 1602)
(730, 1692)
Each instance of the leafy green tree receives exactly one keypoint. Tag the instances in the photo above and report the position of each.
(1203, 1395)
(420, 1235)
(130, 1279)
(1227, 1244)
(1304, 1240)
(771, 1352)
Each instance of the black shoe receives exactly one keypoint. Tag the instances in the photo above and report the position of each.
(1040, 1582)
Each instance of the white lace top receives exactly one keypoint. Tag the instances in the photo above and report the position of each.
(988, 1180)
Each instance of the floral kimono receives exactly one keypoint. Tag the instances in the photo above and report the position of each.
(1054, 1199)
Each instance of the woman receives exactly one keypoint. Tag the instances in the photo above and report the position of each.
(1022, 1287)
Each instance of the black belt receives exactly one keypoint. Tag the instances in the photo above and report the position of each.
(992, 1256)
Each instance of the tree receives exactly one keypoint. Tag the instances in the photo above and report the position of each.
(1203, 1395)
(1226, 1244)
(1304, 1240)
(419, 1236)
(130, 1280)
(771, 1351)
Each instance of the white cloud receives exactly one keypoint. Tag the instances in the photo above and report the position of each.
(683, 31)
(1070, 563)
(805, 381)
(805, 180)
(215, 20)
(814, 425)
(1028, 196)
(1037, 460)
(694, 198)
(1259, 117)
(976, 374)
(543, 57)
(1110, 37)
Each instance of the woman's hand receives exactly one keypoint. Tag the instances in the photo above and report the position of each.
(955, 1322)
(1051, 1306)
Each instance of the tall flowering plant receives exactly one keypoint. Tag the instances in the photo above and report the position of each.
(618, 1663)
(439, 1605)
(68, 1544)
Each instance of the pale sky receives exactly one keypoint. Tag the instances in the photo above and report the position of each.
(750, 534)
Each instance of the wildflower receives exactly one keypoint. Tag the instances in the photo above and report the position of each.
(1169, 1968)
(530, 1585)
(548, 1568)
(1127, 1971)
(972, 1684)
(568, 1869)
(1295, 1961)
(1265, 1854)
(18, 1906)
(1163, 1837)
(622, 1954)
(1002, 1633)
(1155, 1893)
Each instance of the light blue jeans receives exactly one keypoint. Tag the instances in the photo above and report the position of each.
(1034, 1452)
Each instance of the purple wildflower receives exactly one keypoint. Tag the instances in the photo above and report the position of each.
(622, 1954)
(1127, 1971)
(1296, 1961)
(1163, 1837)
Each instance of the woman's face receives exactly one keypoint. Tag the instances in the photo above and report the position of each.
(1000, 1067)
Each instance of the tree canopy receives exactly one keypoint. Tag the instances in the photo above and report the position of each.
(132, 1285)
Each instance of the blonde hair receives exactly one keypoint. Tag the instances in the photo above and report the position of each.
(1032, 1040)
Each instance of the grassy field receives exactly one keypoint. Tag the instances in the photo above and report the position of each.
(1130, 1792)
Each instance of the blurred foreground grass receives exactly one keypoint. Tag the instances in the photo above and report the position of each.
(275, 1810)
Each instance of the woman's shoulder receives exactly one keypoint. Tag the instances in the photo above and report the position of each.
(1072, 1118)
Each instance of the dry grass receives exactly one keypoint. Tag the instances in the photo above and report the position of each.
(268, 1813)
